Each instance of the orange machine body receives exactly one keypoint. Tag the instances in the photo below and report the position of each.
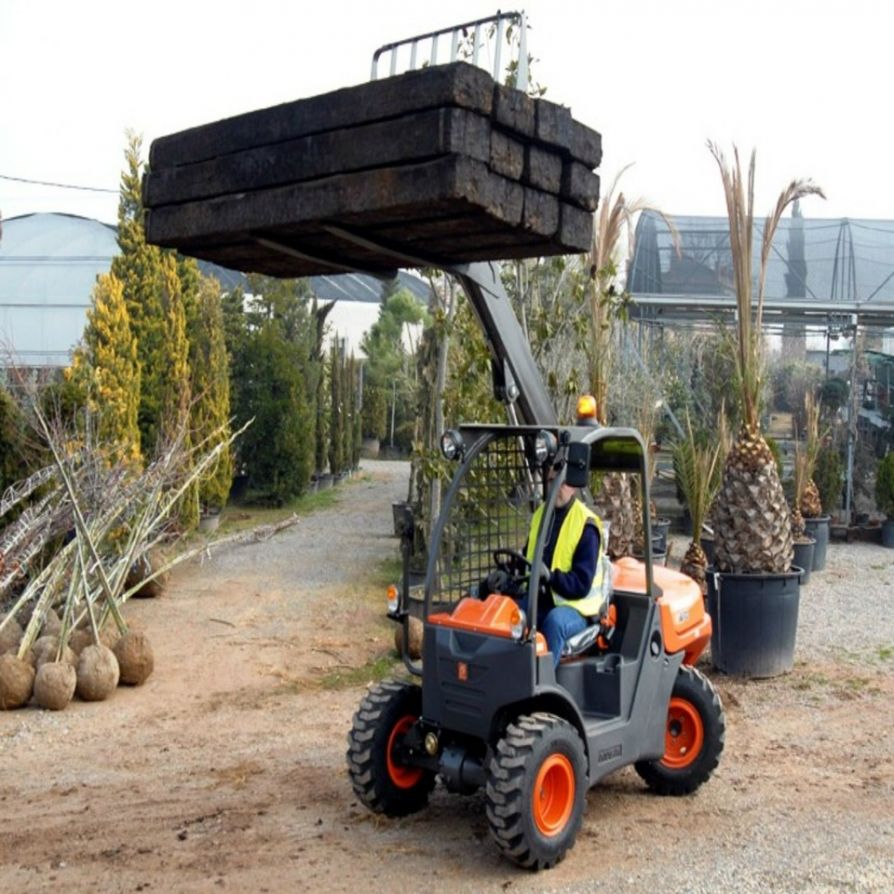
(685, 625)
(495, 615)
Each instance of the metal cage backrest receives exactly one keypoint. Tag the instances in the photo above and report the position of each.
(489, 507)
(466, 42)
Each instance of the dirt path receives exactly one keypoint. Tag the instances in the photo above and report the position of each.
(226, 770)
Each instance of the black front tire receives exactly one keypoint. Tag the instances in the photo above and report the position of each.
(537, 782)
(379, 780)
(696, 729)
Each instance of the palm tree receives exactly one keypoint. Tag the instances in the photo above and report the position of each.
(751, 518)
(607, 305)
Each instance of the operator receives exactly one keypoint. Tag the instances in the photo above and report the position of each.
(572, 568)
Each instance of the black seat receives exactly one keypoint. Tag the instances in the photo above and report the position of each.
(596, 636)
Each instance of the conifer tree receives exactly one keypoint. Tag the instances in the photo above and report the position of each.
(348, 403)
(277, 447)
(318, 364)
(139, 268)
(107, 372)
(271, 340)
(174, 391)
(210, 385)
(336, 410)
(358, 422)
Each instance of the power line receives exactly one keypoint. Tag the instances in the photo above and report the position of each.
(57, 185)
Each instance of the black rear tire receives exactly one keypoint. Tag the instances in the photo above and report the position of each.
(380, 781)
(536, 786)
(696, 729)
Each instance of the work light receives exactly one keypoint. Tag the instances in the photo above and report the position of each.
(544, 447)
(452, 444)
(393, 599)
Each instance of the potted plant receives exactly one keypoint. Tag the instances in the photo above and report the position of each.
(816, 523)
(698, 462)
(884, 496)
(209, 519)
(804, 544)
(753, 591)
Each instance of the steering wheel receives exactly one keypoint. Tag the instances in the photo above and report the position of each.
(512, 562)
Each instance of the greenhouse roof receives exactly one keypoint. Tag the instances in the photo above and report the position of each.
(817, 269)
(49, 264)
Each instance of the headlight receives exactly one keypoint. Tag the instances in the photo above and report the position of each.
(452, 444)
(393, 599)
(518, 624)
(544, 447)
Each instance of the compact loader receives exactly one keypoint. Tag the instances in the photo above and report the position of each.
(492, 710)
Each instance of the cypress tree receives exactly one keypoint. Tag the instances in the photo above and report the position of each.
(358, 423)
(174, 391)
(336, 411)
(210, 385)
(349, 407)
(319, 315)
(276, 448)
(106, 370)
(140, 270)
(274, 376)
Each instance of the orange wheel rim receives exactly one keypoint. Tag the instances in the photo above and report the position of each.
(684, 736)
(400, 775)
(553, 799)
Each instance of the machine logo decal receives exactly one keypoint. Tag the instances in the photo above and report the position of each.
(609, 753)
(462, 671)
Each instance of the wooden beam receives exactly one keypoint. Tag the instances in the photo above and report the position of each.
(458, 84)
(405, 140)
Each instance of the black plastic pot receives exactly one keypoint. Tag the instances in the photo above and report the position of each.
(707, 544)
(660, 527)
(659, 554)
(755, 621)
(402, 514)
(818, 529)
(888, 533)
(804, 553)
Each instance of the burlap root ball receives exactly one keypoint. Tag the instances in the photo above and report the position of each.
(51, 624)
(54, 685)
(135, 658)
(43, 647)
(79, 640)
(414, 638)
(16, 682)
(97, 673)
(110, 634)
(10, 636)
(145, 566)
(48, 656)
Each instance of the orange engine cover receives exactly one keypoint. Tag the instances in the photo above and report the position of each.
(685, 625)
(495, 615)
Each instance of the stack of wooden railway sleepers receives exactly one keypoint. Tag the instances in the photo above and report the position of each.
(441, 164)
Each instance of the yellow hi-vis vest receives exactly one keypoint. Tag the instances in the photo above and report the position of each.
(563, 557)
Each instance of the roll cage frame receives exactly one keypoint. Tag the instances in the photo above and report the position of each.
(606, 449)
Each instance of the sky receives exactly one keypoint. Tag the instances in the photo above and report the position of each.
(805, 83)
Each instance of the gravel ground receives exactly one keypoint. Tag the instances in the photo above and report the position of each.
(226, 770)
